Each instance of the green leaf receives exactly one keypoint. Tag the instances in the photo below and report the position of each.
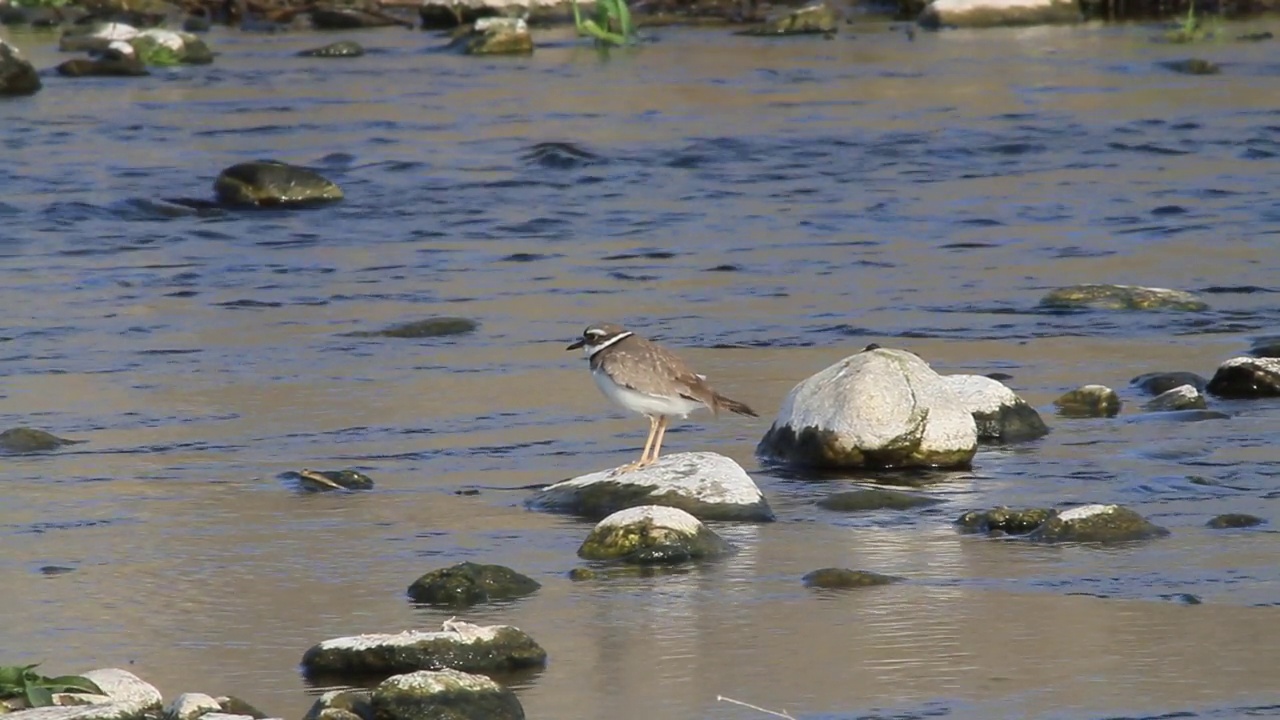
(39, 696)
(12, 674)
(72, 683)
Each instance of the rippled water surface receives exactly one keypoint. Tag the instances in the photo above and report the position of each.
(768, 207)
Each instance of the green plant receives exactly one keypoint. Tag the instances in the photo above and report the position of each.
(22, 681)
(611, 25)
(1191, 29)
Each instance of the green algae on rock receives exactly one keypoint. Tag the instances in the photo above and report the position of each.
(1096, 524)
(458, 645)
(875, 499)
(444, 695)
(346, 704)
(468, 583)
(1089, 401)
(652, 534)
(1003, 520)
(1229, 521)
(495, 36)
(270, 183)
(816, 18)
(17, 75)
(1122, 297)
(846, 579)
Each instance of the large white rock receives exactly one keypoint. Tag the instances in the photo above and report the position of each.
(878, 408)
(127, 698)
(707, 485)
(998, 13)
(997, 411)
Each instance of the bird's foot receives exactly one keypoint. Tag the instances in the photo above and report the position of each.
(629, 467)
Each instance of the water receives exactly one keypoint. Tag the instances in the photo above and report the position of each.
(766, 207)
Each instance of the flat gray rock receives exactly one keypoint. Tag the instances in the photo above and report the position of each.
(997, 411)
(707, 485)
(1183, 397)
(127, 698)
(445, 694)
(877, 408)
(458, 645)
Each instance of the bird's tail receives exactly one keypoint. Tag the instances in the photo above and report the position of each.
(733, 406)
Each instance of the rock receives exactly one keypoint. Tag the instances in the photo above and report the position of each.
(459, 645)
(95, 37)
(232, 705)
(495, 36)
(1157, 383)
(28, 440)
(1122, 297)
(844, 579)
(38, 16)
(190, 706)
(17, 75)
(878, 408)
(1234, 520)
(1191, 66)
(468, 583)
(1181, 416)
(1003, 521)
(1184, 397)
(1096, 524)
(1089, 401)
(815, 18)
(225, 716)
(444, 695)
(197, 23)
(327, 480)
(1266, 347)
(127, 698)
(352, 17)
(450, 14)
(652, 534)
(103, 67)
(707, 485)
(997, 411)
(342, 705)
(340, 49)
(862, 500)
(168, 47)
(268, 183)
(1255, 37)
(1247, 377)
(581, 574)
(429, 327)
(998, 13)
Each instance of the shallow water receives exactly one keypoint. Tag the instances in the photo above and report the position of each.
(767, 207)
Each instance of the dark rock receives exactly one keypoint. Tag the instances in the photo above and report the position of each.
(1184, 397)
(863, 500)
(103, 67)
(468, 583)
(345, 17)
(1089, 401)
(815, 18)
(652, 534)
(27, 440)
(232, 705)
(1191, 66)
(845, 579)
(1181, 416)
(999, 414)
(1266, 347)
(1096, 524)
(342, 48)
(1234, 520)
(1247, 377)
(459, 645)
(17, 75)
(581, 574)
(268, 183)
(1255, 37)
(444, 695)
(1122, 297)
(1003, 520)
(326, 480)
(196, 24)
(342, 705)
(1157, 383)
(426, 328)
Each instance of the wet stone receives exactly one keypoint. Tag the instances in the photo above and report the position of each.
(425, 328)
(1096, 524)
(268, 183)
(1255, 36)
(582, 574)
(459, 645)
(103, 67)
(190, 706)
(1122, 297)
(1184, 397)
(1246, 378)
(652, 534)
(27, 440)
(495, 36)
(998, 412)
(444, 695)
(819, 18)
(233, 705)
(1234, 520)
(866, 500)
(329, 480)
(17, 75)
(342, 705)
(1266, 347)
(1003, 520)
(1157, 383)
(468, 583)
(845, 579)
(1089, 401)
(1191, 66)
(340, 49)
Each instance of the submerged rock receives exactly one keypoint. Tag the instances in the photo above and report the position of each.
(191, 706)
(1191, 66)
(17, 75)
(1247, 377)
(1003, 520)
(877, 408)
(815, 18)
(844, 579)
(450, 14)
(168, 47)
(337, 16)
(342, 48)
(1266, 347)
(126, 697)
(425, 328)
(998, 13)
(652, 534)
(1096, 524)
(1255, 36)
(444, 695)
(459, 645)
(116, 66)
(468, 583)
(342, 705)
(1122, 297)
(232, 705)
(95, 37)
(1234, 520)
(998, 412)
(326, 480)
(268, 183)
(1157, 383)
(707, 485)
(495, 36)
(863, 500)
(1183, 397)
(29, 440)
(1089, 401)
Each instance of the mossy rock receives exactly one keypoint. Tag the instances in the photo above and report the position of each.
(1122, 297)
(468, 583)
(816, 18)
(1158, 383)
(1100, 524)
(425, 328)
(865, 500)
(232, 705)
(846, 579)
(1089, 401)
(1192, 66)
(342, 705)
(328, 480)
(103, 67)
(340, 49)
(1234, 521)
(269, 183)
(583, 574)
(648, 533)
(444, 695)
(466, 647)
(17, 75)
(28, 440)
(1003, 520)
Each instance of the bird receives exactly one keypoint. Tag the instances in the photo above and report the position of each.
(642, 376)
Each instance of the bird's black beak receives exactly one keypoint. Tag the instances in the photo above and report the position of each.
(579, 343)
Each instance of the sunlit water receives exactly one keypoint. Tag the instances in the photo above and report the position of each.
(767, 207)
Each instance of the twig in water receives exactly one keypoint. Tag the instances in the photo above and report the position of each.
(775, 713)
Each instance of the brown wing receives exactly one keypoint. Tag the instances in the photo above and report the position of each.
(649, 368)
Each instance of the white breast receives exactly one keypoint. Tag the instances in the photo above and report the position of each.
(643, 403)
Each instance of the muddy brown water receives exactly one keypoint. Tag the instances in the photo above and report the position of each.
(768, 208)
